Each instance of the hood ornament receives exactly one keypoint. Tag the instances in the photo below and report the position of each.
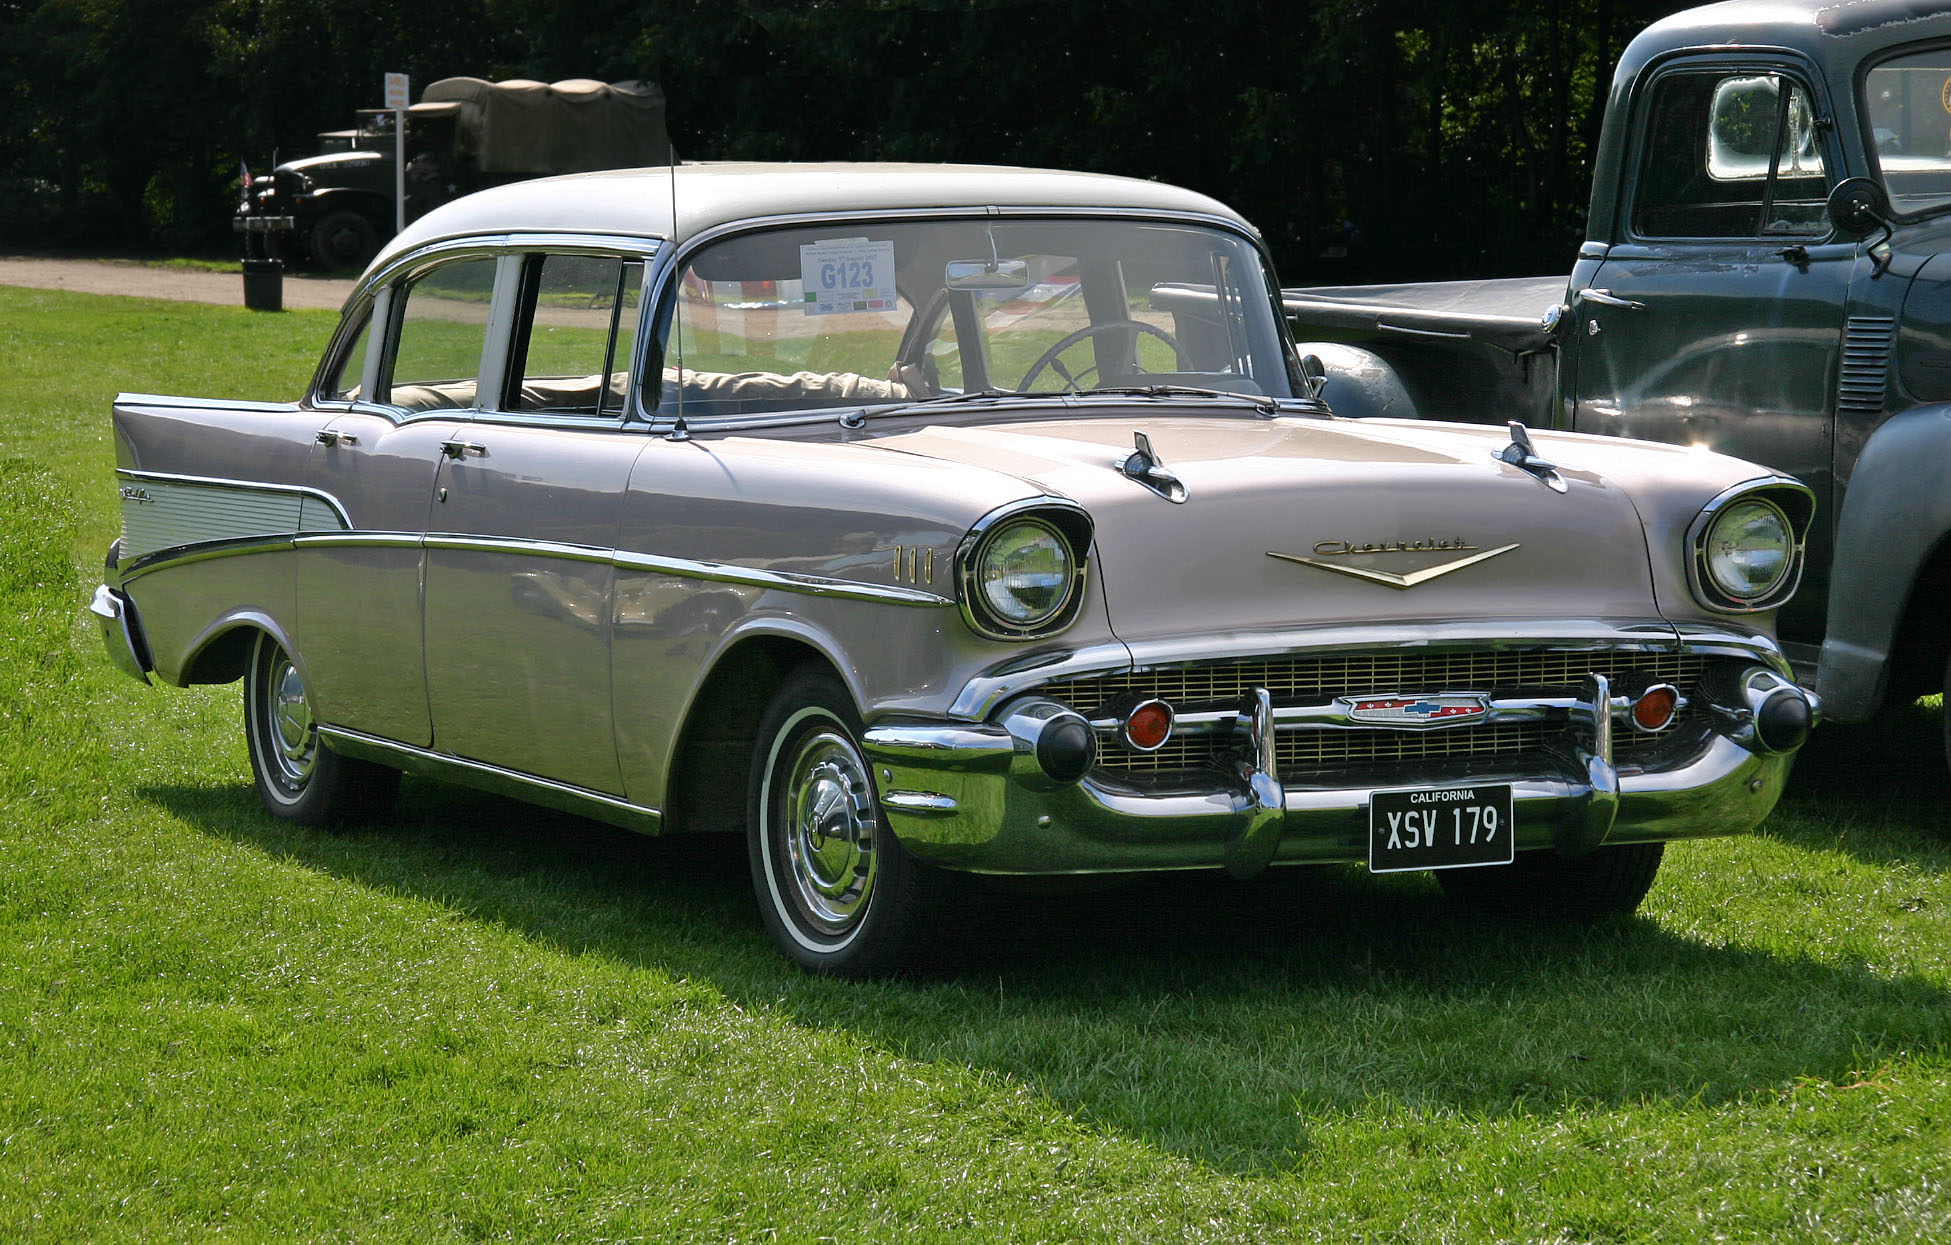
(1520, 454)
(1390, 578)
(1143, 466)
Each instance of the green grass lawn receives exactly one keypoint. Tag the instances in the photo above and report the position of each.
(484, 1022)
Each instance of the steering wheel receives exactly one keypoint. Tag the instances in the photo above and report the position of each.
(1049, 357)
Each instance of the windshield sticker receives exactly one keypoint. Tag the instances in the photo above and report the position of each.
(852, 274)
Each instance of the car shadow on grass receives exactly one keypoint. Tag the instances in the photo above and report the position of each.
(1224, 1021)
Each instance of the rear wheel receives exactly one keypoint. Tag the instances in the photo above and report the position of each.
(1547, 885)
(298, 778)
(837, 892)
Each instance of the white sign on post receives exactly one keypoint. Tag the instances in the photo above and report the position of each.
(398, 95)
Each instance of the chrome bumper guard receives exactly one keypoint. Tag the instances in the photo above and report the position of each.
(121, 632)
(976, 796)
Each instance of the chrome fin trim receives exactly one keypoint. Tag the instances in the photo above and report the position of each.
(683, 568)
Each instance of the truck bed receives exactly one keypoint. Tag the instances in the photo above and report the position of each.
(1465, 350)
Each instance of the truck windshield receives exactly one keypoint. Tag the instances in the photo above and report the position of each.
(857, 313)
(1908, 102)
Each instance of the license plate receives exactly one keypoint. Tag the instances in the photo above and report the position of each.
(1440, 828)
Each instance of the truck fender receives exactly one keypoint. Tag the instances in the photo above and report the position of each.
(1890, 537)
(348, 198)
(1361, 384)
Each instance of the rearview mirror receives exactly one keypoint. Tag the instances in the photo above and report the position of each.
(986, 274)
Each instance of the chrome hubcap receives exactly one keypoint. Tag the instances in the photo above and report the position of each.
(830, 832)
(293, 732)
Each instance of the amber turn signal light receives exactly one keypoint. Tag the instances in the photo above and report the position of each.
(1148, 726)
(1654, 709)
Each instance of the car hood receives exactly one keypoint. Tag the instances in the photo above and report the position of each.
(1294, 522)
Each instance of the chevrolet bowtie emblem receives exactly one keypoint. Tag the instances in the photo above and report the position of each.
(1388, 577)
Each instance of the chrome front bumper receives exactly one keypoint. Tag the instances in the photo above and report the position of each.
(978, 797)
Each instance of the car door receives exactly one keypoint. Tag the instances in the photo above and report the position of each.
(404, 385)
(1717, 318)
(521, 535)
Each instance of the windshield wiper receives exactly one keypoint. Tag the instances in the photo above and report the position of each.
(1260, 402)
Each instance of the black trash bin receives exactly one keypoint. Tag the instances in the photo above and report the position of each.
(264, 284)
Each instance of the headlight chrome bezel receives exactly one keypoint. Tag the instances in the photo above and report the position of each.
(1067, 523)
(1792, 501)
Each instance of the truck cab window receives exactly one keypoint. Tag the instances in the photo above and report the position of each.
(1908, 103)
(1731, 155)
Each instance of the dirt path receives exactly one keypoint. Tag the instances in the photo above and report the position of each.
(140, 280)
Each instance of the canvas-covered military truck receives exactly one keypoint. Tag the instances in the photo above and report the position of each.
(1766, 273)
(335, 208)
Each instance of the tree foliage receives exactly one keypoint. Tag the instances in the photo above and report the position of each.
(1370, 139)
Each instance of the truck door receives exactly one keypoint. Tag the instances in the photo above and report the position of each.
(1716, 318)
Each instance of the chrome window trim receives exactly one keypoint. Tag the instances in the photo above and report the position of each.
(666, 263)
(644, 246)
(491, 374)
(1701, 583)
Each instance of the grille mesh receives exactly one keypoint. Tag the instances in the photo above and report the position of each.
(1315, 680)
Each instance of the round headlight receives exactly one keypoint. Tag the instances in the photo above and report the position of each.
(1749, 550)
(1025, 573)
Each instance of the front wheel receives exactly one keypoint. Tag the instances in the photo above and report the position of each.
(343, 239)
(1553, 887)
(298, 778)
(837, 893)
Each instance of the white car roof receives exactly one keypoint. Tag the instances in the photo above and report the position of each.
(690, 199)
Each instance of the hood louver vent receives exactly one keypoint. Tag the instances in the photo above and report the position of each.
(1867, 341)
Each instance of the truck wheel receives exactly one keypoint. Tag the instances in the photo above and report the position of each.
(1548, 886)
(298, 778)
(343, 239)
(837, 892)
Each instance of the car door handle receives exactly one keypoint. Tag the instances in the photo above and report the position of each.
(331, 436)
(460, 449)
(1606, 298)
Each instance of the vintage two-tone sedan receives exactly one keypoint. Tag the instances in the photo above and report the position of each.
(926, 521)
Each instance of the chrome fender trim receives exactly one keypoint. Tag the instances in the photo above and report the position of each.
(545, 792)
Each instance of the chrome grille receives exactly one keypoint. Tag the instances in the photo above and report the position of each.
(1316, 680)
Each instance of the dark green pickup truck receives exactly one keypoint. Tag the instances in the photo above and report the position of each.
(1767, 272)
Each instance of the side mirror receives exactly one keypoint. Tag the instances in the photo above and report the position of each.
(1859, 207)
(1314, 376)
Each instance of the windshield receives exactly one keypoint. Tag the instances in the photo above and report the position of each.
(863, 313)
(1908, 101)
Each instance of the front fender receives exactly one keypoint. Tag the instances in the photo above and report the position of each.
(1894, 518)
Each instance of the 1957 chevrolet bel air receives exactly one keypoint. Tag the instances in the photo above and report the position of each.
(924, 521)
